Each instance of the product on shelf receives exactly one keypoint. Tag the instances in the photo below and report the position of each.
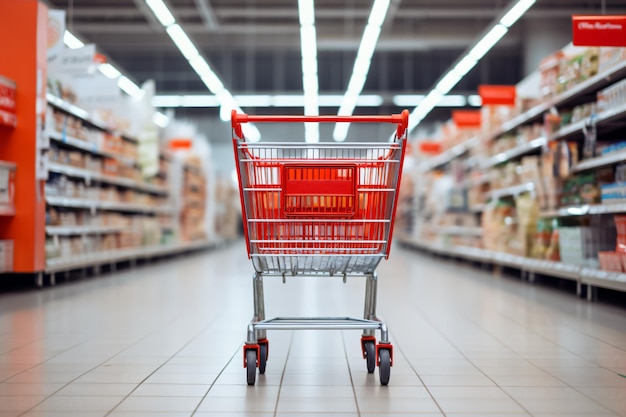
(7, 103)
(7, 186)
(6, 255)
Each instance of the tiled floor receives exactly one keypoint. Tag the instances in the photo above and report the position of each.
(165, 340)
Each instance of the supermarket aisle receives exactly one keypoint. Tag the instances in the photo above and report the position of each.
(165, 340)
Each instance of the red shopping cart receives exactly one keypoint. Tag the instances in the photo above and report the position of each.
(318, 209)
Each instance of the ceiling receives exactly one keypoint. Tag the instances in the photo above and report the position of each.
(254, 45)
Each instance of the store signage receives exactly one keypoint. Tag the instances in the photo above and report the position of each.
(497, 95)
(598, 30)
(8, 115)
(466, 119)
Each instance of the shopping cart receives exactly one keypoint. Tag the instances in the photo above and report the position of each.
(318, 210)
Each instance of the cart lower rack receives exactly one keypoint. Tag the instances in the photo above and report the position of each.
(321, 209)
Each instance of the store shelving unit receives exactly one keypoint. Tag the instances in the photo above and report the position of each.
(603, 121)
(122, 255)
(24, 47)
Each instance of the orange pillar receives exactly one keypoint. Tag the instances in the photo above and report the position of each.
(23, 49)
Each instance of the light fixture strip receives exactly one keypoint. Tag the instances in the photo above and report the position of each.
(191, 53)
(310, 83)
(361, 66)
(468, 61)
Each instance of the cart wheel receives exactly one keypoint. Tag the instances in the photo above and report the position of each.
(251, 366)
(370, 355)
(384, 366)
(263, 358)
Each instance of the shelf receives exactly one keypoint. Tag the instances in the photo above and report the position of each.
(602, 119)
(7, 211)
(83, 114)
(511, 191)
(82, 230)
(448, 155)
(557, 269)
(603, 279)
(604, 160)
(74, 110)
(590, 85)
(86, 146)
(105, 205)
(96, 176)
(511, 154)
(458, 230)
(8, 165)
(585, 210)
(109, 257)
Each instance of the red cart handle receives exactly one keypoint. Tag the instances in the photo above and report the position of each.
(402, 120)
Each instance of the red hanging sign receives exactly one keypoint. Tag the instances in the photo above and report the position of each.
(466, 118)
(7, 103)
(502, 95)
(598, 30)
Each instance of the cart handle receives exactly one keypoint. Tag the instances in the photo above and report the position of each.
(402, 120)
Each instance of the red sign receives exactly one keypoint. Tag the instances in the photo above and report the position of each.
(7, 102)
(466, 118)
(499, 95)
(598, 30)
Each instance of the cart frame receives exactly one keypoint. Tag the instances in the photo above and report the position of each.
(318, 210)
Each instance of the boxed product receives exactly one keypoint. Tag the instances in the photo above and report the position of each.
(610, 56)
(610, 261)
(549, 74)
(614, 193)
(7, 102)
(7, 186)
(6, 255)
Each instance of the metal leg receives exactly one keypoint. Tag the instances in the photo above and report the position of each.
(371, 292)
(259, 302)
(531, 277)
(592, 294)
(579, 289)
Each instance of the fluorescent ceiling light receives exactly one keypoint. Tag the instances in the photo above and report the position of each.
(361, 65)
(306, 12)
(263, 100)
(308, 50)
(167, 101)
(474, 100)
(452, 100)
(516, 12)
(109, 71)
(251, 132)
(468, 61)
(182, 41)
(200, 66)
(341, 131)
(199, 101)
(161, 12)
(378, 13)
(465, 65)
(129, 87)
(448, 82)
(254, 100)
(72, 41)
(487, 42)
(402, 100)
(160, 119)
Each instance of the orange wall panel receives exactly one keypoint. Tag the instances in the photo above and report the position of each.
(23, 47)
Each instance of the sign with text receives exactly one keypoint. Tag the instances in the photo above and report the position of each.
(7, 102)
(599, 30)
(73, 61)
